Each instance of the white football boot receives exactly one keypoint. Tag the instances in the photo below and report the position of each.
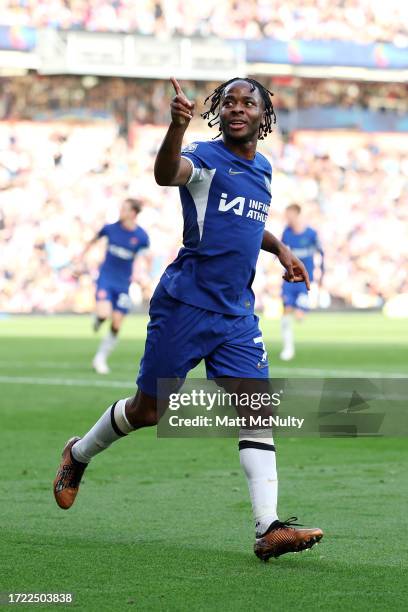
(288, 353)
(99, 365)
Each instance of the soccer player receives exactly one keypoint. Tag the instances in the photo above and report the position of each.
(125, 239)
(203, 305)
(304, 243)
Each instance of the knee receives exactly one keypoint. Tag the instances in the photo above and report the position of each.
(115, 329)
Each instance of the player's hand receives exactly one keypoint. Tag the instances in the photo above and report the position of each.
(295, 269)
(76, 267)
(77, 271)
(76, 274)
(182, 109)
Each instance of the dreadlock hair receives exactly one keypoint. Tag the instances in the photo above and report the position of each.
(269, 114)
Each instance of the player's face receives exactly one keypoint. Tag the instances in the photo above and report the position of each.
(292, 217)
(241, 111)
(126, 213)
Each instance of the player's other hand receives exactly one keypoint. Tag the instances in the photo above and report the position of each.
(182, 109)
(295, 269)
(76, 266)
(77, 271)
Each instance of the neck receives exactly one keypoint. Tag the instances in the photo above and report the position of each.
(245, 149)
(298, 227)
(129, 225)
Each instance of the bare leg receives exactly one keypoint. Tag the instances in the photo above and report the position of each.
(108, 343)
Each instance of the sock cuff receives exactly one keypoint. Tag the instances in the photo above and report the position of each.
(286, 321)
(256, 444)
(74, 455)
(120, 424)
(256, 438)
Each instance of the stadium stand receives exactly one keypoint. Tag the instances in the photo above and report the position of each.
(56, 195)
(72, 146)
(362, 21)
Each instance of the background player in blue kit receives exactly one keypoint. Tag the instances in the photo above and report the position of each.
(303, 241)
(202, 308)
(124, 240)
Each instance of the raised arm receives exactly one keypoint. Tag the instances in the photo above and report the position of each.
(78, 258)
(295, 270)
(169, 167)
(77, 262)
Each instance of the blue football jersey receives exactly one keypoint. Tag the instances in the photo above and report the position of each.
(303, 245)
(123, 244)
(225, 205)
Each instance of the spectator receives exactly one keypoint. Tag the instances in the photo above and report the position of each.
(146, 100)
(362, 21)
(355, 192)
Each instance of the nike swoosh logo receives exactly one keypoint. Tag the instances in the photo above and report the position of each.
(232, 172)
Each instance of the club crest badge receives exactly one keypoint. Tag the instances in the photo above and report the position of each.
(190, 148)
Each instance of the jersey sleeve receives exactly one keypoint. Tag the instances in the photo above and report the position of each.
(103, 232)
(143, 241)
(319, 249)
(146, 241)
(317, 243)
(194, 153)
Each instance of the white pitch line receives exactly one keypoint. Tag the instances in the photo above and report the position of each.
(66, 382)
(328, 373)
(52, 365)
(61, 365)
(125, 384)
(274, 369)
(107, 383)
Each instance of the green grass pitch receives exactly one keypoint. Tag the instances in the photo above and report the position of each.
(166, 524)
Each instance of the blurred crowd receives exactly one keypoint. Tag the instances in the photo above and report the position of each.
(60, 182)
(361, 21)
(146, 100)
(354, 191)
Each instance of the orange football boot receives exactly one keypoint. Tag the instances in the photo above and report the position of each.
(282, 538)
(69, 474)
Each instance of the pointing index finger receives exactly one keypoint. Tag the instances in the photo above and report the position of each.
(176, 86)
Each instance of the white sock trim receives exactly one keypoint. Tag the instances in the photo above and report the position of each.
(119, 414)
(256, 435)
(103, 433)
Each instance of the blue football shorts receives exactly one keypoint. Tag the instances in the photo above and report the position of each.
(179, 336)
(295, 295)
(119, 298)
